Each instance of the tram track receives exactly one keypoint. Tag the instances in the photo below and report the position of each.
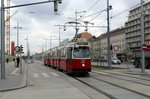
(109, 92)
(122, 87)
(97, 89)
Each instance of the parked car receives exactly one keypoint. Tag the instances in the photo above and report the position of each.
(29, 61)
(132, 61)
(116, 61)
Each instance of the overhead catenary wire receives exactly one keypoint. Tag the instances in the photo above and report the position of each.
(96, 16)
(92, 14)
(91, 7)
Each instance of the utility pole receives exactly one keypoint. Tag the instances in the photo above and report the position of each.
(51, 41)
(59, 32)
(45, 44)
(142, 39)
(76, 19)
(18, 32)
(108, 37)
(59, 35)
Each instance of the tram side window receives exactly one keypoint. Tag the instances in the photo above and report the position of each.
(51, 55)
(59, 53)
(63, 53)
(48, 55)
(69, 53)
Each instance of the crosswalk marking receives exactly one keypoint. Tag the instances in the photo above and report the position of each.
(15, 72)
(54, 74)
(35, 75)
(45, 74)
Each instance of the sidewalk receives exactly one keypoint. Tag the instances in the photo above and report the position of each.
(13, 78)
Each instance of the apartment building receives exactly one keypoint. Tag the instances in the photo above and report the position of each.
(117, 39)
(133, 27)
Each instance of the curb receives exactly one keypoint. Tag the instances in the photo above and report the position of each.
(23, 84)
(136, 73)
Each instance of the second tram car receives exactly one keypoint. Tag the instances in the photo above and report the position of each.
(73, 57)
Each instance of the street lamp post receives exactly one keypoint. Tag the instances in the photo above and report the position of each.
(45, 44)
(51, 41)
(27, 48)
(27, 56)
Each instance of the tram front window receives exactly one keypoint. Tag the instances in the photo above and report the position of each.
(81, 52)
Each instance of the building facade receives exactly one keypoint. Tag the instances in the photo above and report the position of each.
(117, 40)
(95, 43)
(133, 27)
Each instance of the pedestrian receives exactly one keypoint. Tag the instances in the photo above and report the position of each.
(14, 61)
(18, 61)
(7, 60)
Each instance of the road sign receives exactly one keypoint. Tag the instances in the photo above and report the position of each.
(144, 47)
(17, 48)
(116, 48)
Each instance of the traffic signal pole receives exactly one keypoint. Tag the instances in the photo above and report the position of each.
(2, 33)
(20, 52)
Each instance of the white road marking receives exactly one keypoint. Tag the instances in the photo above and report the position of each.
(15, 72)
(45, 74)
(54, 74)
(35, 75)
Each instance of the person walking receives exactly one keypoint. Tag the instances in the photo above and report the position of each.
(14, 60)
(7, 60)
(18, 61)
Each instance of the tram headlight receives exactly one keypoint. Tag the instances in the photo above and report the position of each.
(83, 65)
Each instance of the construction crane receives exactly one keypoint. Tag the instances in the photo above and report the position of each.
(7, 29)
(11, 16)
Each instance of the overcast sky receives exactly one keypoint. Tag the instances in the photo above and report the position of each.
(38, 21)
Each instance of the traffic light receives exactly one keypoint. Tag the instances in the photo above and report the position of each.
(56, 2)
(55, 5)
(111, 47)
(59, 1)
(21, 48)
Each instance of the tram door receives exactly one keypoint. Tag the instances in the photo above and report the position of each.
(69, 59)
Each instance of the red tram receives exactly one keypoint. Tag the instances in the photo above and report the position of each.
(73, 57)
